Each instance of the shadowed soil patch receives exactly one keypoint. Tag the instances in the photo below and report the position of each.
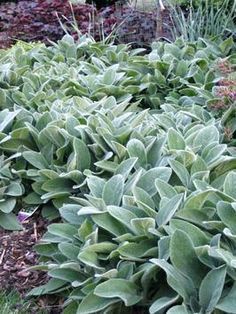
(16, 256)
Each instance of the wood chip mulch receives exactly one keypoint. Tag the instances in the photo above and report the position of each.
(17, 255)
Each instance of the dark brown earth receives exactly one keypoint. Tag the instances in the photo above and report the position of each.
(17, 255)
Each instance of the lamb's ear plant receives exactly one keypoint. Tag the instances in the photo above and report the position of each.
(149, 237)
(122, 149)
(10, 193)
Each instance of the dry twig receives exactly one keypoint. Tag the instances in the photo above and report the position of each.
(2, 256)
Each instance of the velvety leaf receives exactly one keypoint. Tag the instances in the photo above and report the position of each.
(103, 247)
(180, 171)
(121, 214)
(96, 185)
(137, 149)
(183, 285)
(123, 289)
(69, 250)
(89, 258)
(211, 288)
(85, 225)
(82, 154)
(142, 225)
(178, 309)
(69, 213)
(66, 274)
(93, 303)
(135, 251)
(228, 303)
(33, 199)
(132, 181)
(198, 165)
(125, 167)
(52, 134)
(147, 180)
(167, 211)
(107, 222)
(113, 190)
(8, 118)
(7, 206)
(58, 185)
(228, 215)
(63, 230)
(155, 151)
(144, 201)
(215, 153)
(46, 249)
(71, 308)
(35, 159)
(205, 136)
(52, 285)
(14, 189)
(109, 76)
(9, 222)
(175, 140)
(197, 236)
(229, 187)
(196, 200)
(184, 258)
(107, 165)
(224, 167)
(164, 247)
(161, 304)
(59, 194)
(89, 210)
(164, 189)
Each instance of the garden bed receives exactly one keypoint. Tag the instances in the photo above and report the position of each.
(115, 143)
(130, 155)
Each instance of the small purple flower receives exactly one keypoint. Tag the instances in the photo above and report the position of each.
(22, 216)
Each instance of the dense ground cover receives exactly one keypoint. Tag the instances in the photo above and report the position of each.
(135, 155)
(128, 156)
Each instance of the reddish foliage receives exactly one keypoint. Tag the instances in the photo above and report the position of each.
(224, 66)
(227, 91)
(226, 87)
(37, 20)
(133, 26)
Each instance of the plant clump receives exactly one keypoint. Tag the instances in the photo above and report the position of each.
(119, 145)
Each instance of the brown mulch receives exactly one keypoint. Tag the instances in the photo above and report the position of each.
(17, 255)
